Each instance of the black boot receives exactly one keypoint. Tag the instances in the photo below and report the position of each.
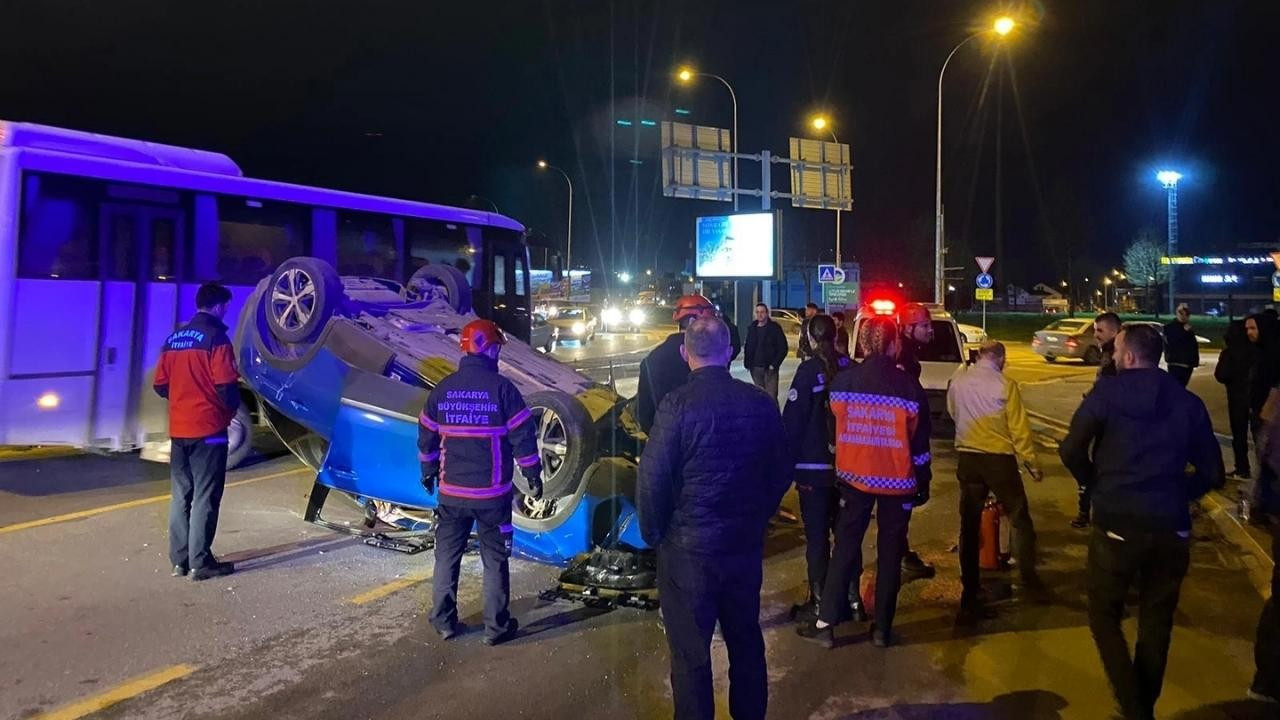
(808, 610)
(913, 568)
(857, 611)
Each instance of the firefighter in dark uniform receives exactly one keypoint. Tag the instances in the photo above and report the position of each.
(664, 370)
(810, 433)
(473, 431)
(882, 464)
(916, 327)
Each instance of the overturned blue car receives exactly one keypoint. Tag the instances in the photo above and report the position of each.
(341, 367)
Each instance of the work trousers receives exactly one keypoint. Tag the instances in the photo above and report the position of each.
(1241, 419)
(1181, 373)
(453, 531)
(198, 474)
(819, 508)
(697, 591)
(1155, 563)
(893, 513)
(1266, 649)
(981, 474)
(766, 379)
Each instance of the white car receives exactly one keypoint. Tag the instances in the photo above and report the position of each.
(939, 360)
(971, 334)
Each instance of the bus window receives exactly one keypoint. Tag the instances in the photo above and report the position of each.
(255, 236)
(163, 249)
(431, 242)
(366, 245)
(499, 278)
(522, 276)
(58, 237)
(122, 247)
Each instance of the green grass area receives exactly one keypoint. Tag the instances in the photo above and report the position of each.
(1019, 327)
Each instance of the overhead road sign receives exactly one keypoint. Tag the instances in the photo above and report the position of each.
(820, 173)
(697, 162)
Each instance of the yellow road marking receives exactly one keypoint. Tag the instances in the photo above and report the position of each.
(14, 454)
(120, 693)
(394, 586)
(91, 512)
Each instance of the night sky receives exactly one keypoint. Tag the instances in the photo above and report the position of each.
(439, 101)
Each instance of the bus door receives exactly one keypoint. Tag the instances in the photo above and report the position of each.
(141, 247)
(509, 284)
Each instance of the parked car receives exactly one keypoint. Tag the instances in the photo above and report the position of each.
(971, 334)
(791, 322)
(543, 335)
(939, 360)
(1069, 338)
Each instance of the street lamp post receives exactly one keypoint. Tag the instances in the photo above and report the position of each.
(568, 252)
(686, 75)
(821, 123)
(1169, 179)
(1002, 27)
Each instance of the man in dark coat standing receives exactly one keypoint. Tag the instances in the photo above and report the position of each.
(765, 350)
(704, 499)
(664, 369)
(1181, 352)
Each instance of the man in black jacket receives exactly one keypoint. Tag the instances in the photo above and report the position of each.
(1235, 370)
(664, 369)
(765, 350)
(1181, 352)
(1105, 328)
(804, 349)
(1144, 430)
(704, 499)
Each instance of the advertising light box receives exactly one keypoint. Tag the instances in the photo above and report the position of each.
(736, 246)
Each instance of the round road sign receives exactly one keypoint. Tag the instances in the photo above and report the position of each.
(984, 281)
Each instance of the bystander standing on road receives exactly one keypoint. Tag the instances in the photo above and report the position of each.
(1236, 367)
(842, 334)
(1131, 441)
(1105, 328)
(804, 348)
(711, 475)
(1266, 649)
(197, 375)
(883, 464)
(810, 439)
(1263, 329)
(765, 350)
(1181, 352)
(993, 439)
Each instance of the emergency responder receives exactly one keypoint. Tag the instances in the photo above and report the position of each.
(704, 498)
(916, 326)
(993, 439)
(804, 348)
(664, 369)
(473, 430)
(1105, 328)
(1131, 440)
(882, 464)
(810, 440)
(197, 375)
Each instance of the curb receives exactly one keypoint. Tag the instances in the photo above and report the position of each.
(1257, 559)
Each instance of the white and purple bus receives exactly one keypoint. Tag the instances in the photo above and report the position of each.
(104, 240)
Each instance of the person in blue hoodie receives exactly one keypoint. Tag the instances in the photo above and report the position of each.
(1130, 443)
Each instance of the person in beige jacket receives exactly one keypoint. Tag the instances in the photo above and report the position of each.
(993, 439)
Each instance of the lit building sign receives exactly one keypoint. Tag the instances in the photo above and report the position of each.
(1217, 260)
(1220, 279)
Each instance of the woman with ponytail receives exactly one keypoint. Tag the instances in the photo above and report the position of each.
(810, 440)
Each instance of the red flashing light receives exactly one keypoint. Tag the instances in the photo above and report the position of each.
(883, 307)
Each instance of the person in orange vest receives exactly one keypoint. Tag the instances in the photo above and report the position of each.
(883, 464)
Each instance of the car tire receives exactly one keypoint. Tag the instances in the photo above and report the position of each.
(303, 294)
(239, 436)
(566, 442)
(446, 277)
(1050, 358)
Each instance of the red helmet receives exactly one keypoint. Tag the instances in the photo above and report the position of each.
(693, 305)
(913, 313)
(480, 335)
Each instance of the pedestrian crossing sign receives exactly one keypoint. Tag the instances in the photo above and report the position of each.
(830, 274)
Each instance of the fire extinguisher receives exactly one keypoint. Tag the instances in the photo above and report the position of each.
(989, 536)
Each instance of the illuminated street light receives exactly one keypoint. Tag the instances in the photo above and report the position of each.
(685, 75)
(568, 252)
(624, 277)
(820, 123)
(1001, 27)
(1169, 179)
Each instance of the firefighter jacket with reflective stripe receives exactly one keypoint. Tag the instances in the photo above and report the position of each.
(882, 429)
(197, 374)
(472, 432)
(809, 426)
(989, 414)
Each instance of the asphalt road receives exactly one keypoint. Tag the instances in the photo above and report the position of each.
(317, 625)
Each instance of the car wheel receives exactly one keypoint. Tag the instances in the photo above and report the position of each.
(303, 294)
(566, 441)
(446, 279)
(239, 437)
(1050, 358)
